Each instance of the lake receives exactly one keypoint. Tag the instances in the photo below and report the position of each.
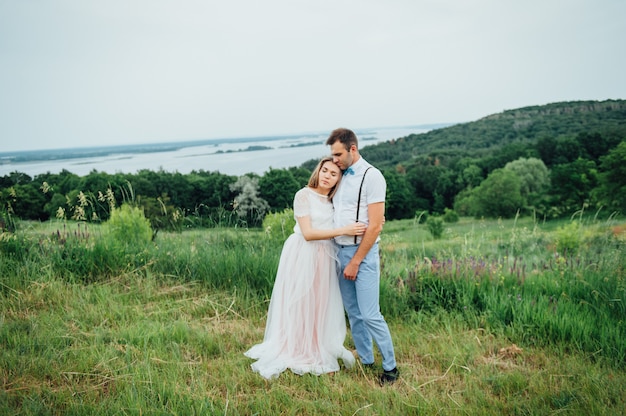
(229, 157)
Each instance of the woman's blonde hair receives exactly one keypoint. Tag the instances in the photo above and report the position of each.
(314, 180)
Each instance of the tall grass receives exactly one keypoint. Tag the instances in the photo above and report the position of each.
(537, 287)
(243, 261)
(494, 317)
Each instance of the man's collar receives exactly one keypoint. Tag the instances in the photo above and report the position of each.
(358, 165)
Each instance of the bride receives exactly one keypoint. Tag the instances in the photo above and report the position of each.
(306, 326)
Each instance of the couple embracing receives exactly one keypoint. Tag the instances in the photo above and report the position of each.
(329, 263)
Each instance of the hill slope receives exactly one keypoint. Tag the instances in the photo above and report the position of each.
(488, 134)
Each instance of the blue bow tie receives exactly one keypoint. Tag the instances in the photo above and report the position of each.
(348, 171)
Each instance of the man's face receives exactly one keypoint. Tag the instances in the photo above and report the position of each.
(342, 157)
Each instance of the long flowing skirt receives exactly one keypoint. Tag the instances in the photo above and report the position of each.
(306, 326)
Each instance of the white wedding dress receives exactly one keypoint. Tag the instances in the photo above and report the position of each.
(306, 326)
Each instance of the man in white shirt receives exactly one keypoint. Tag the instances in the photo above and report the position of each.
(361, 197)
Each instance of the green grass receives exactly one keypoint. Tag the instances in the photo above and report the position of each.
(164, 331)
(142, 346)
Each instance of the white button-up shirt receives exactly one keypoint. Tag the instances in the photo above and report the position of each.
(346, 197)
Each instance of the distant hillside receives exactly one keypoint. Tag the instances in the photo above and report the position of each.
(520, 126)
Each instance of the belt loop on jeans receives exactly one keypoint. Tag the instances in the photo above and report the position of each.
(346, 245)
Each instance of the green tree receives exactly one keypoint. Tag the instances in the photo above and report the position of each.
(161, 214)
(58, 201)
(178, 189)
(211, 189)
(65, 182)
(16, 178)
(277, 187)
(572, 184)
(142, 185)
(567, 150)
(212, 199)
(470, 177)
(399, 202)
(25, 201)
(446, 189)
(423, 178)
(499, 195)
(96, 181)
(533, 173)
(148, 183)
(465, 203)
(505, 154)
(302, 174)
(95, 184)
(534, 182)
(593, 145)
(546, 148)
(612, 179)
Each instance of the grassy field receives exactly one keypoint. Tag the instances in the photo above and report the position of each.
(511, 317)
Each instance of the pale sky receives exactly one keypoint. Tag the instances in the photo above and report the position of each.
(94, 73)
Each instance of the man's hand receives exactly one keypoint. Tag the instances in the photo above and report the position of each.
(351, 271)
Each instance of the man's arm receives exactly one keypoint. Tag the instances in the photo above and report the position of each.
(376, 214)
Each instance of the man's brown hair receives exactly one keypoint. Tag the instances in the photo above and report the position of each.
(344, 136)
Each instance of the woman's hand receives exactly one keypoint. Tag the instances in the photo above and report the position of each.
(358, 228)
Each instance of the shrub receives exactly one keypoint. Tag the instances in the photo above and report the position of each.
(435, 226)
(568, 237)
(450, 216)
(129, 225)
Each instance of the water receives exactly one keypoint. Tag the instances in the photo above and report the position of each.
(281, 154)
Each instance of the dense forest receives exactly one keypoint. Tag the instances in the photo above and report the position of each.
(549, 161)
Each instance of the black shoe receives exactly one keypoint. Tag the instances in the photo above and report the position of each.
(389, 377)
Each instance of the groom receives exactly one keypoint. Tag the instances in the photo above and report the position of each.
(361, 197)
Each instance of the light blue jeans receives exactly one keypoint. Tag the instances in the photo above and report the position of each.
(361, 301)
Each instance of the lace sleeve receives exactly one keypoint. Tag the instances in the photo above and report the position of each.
(301, 205)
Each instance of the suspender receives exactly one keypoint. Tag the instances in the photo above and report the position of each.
(358, 204)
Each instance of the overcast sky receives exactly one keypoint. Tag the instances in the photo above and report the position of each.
(89, 73)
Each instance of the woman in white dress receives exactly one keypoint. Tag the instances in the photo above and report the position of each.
(306, 326)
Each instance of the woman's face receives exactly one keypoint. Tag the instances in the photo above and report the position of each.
(328, 176)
